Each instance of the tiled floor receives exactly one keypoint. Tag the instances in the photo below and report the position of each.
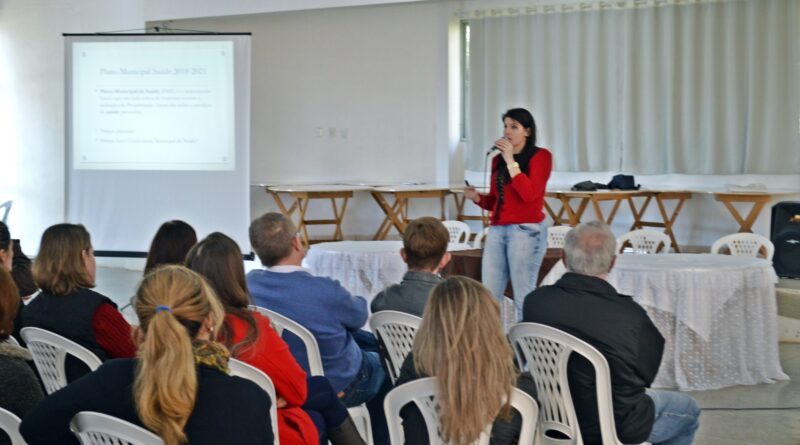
(767, 414)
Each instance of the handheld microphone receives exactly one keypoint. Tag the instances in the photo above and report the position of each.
(494, 147)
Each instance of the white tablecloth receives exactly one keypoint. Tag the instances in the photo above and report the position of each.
(363, 267)
(717, 313)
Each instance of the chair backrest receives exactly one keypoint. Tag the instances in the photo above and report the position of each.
(359, 413)
(9, 423)
(395, 331)
(477, 243)
(5, 209)
(243, 370)
(746, 244)
(545, 351)
(11, 340)
(556, 236)
(94, 428)
(49, 351)
(457, 229)
(281, 323)
(644, 241)
(424, 394)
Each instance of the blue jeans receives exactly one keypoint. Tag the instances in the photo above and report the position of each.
(514, 251)
(371, 386)
(677, 418)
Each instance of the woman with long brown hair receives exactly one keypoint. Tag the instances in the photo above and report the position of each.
(461, 342)
(308, 410)
(65, 270)
(178, 387)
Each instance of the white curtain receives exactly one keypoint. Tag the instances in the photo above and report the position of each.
(707, 88)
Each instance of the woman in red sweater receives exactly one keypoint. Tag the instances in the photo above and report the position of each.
(309, 412)
(65, 270)
(517, 238)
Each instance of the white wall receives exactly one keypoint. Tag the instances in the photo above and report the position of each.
(32, 101)
(378, 74)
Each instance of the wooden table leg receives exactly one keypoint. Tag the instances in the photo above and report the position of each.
(758, 201)
(302, 204)
(391, 212)
(282, 208)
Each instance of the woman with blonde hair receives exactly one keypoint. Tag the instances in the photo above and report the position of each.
(65, 270)
(178, 387)
(309, 412)
(461, 342)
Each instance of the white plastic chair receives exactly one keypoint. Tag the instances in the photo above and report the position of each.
(395, 330)
(5, 208)
(49, 351)
(12, 341)
(423, 393)
(556, 236)
(477, 243)
(257, 376)
(280, 323)
(9, 423)
(94, 428)
(457, 229)
(644, 241)
(746, 244)
(545, 351)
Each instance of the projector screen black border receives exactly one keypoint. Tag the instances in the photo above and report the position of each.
(131, 254)
(159, 34)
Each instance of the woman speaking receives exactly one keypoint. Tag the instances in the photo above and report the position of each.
(517, 238)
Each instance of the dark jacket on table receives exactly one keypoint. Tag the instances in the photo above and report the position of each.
(504, 432)
(20, 390)
(227, 409)
(410, 296)
(69, 316)
(592, 310)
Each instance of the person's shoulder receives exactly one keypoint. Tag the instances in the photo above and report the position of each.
(235, 388)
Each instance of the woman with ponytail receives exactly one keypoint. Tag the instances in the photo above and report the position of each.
(517, 238)
(178, 386)
(309, 412)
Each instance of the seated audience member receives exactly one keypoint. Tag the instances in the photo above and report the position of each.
(425, 251)
(251, 339)
(65, 270)
(325, 308)
(20, 390)
(178, 387)
(585, 305)
(170, 245)
(461, 342)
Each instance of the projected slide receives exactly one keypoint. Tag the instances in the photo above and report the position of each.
(153, 105)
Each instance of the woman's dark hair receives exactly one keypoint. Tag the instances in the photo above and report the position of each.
(5, 236)
(525, 118)
(218, 258)
(60, 268)
(9, 304)
(170, 245)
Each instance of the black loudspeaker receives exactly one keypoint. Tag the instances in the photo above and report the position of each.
(785, 235)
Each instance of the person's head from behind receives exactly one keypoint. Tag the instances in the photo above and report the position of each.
(461, 342)
(519, 127)
(218, 258)
(590, 249)
(9, 304)
(65, 262)
(6, 247)
(170, 244)
(175, 306)
(425, 245)
(274, 238)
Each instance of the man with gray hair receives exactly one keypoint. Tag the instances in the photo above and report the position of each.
(584, 304)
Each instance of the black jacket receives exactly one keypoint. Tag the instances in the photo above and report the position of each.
(592, 310)
(227, 409)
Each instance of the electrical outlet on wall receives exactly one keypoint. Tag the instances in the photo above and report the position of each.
(318, 132)
(331, 132)
(344, 133)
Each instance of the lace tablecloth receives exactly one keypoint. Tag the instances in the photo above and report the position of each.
(363, 267)
(717, 313)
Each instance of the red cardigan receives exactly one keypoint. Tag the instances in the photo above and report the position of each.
(271, 355)
(523, 197)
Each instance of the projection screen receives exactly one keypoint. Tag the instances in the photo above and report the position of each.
(157, 128)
